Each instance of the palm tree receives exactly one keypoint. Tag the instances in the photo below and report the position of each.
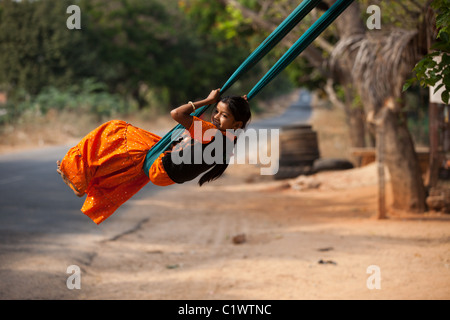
(373, 65)
(379, 64)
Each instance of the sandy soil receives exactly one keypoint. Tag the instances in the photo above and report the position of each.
(316, 243)
(310, 244)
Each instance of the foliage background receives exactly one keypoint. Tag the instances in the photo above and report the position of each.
(148, 56)
(129, 56)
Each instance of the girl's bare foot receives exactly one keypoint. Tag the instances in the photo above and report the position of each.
(67, 181)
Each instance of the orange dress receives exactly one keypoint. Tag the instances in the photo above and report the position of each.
(107, 166)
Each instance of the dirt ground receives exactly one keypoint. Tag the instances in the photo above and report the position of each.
(309, 244)
(242, 240)
(250, 237)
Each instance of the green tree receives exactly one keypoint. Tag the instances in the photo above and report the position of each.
(153, 44)
(428, 71)
(244, 24)
(37, 49)
(133, 46)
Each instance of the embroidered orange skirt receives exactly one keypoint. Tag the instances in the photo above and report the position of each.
(107, 166)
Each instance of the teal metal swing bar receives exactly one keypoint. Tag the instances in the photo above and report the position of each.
(273, 39)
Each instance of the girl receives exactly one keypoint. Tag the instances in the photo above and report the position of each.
(107, 164)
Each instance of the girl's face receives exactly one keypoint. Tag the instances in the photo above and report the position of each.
(223, 119)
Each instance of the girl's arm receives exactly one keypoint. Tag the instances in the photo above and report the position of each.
(182, 114)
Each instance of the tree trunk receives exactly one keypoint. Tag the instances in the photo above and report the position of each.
(348, 24)
(356, 126)
(356, 119)
(433, 174)
(136, 94)
(408, 189)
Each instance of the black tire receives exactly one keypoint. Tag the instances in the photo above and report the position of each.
(290, 172)
(332, 164)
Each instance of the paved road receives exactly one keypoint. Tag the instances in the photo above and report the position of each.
(299, 112)
(34, 199)
(43, 231)
(37, 209)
